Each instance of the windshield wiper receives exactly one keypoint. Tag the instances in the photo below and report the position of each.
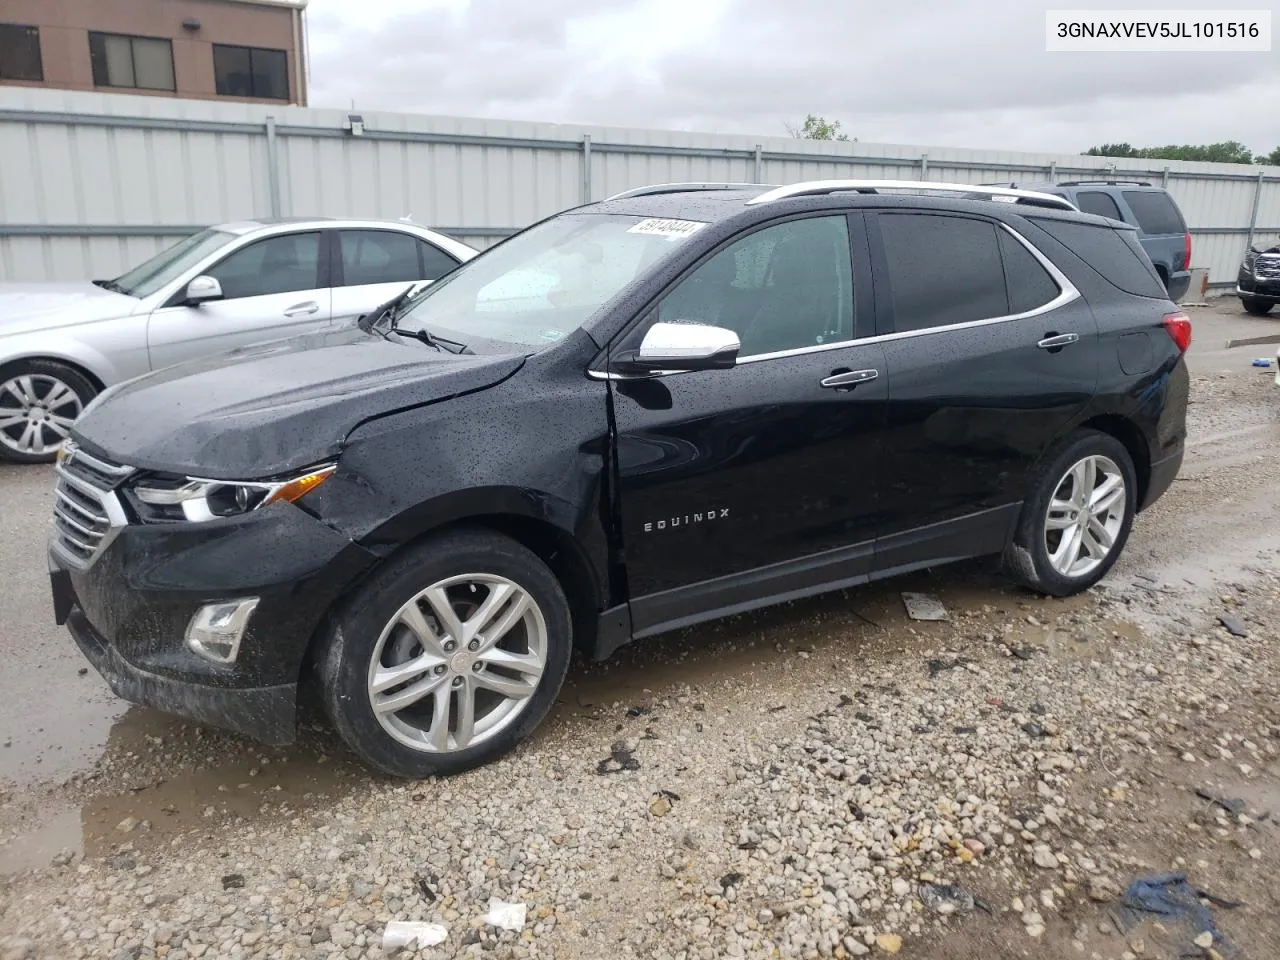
(371, 319)
(433, 340)
(109, 285)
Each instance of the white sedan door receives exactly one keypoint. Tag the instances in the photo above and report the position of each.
(272, 288)
(373, 265)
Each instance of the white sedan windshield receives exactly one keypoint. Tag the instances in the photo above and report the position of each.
(148, 277)
(544, 283)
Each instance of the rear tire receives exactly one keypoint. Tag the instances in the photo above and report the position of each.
(1077, 515)
(448, 657)
(39, 400)
(1259, 308)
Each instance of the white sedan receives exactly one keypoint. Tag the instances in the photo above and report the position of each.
(224, 287)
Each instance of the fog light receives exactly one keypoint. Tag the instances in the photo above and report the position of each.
(215, 630)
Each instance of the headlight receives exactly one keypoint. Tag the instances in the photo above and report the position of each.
(196, 500)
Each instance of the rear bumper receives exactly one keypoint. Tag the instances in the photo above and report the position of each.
(1179, 283)
(266, 714)
(1163, 473)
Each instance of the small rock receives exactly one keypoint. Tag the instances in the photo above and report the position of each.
(1204, 940)
(233, 881)
(1035, 930)
(17, 948)
(659, 806)
(128, 825)
(1044, 857)
(900, 887)
(1102, 889)
(1233, 624)
(854, 947)
(976, 847)
(889, 942)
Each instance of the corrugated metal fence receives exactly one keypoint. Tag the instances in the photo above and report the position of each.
(91, 184)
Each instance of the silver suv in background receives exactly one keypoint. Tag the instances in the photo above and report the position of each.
(1162, 230)
(227, 286)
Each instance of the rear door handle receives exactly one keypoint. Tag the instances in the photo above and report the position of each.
(848, 378)
(1057, 340)
(302, 309)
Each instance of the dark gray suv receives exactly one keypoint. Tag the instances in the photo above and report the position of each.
(1149, 209)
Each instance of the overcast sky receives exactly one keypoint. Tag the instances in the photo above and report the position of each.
(969, 73)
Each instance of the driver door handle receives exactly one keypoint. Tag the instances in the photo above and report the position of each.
(1054, 340)
(302, 309)
(848, 378)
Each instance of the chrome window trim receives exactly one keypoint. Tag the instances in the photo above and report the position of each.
(1067, 293)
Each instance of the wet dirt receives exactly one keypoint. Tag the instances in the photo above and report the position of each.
(75, 762)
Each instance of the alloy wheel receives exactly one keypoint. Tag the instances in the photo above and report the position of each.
(458, 663)
(36, 413)
(1085, 515)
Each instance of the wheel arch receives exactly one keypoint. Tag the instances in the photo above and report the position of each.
(552, 543)
(1134, 441)
(75, 363)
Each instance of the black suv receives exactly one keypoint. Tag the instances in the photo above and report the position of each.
(1258, 282)
(683, 402)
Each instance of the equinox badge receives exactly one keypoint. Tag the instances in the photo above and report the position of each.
(716, 513)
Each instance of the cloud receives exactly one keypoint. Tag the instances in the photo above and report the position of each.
(928, 72)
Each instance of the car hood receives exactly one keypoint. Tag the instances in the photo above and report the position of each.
(270, 409)
(42, 306)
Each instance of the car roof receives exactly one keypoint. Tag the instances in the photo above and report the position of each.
(241, 227)
(1046, 186)
(705, 203)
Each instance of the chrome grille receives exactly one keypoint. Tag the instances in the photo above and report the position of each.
(86, 509)
(1267, 266)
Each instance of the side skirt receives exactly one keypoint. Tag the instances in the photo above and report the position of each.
(975, 535)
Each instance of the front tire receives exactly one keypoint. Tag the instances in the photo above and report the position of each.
(39, 400)
(447, 657)
(1077, 515)
(1259, 308)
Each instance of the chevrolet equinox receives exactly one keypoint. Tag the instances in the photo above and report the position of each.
(680, 403)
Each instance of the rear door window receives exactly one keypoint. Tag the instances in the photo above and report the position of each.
(1099, 204)
(1029, 283)
(1157, 214)
(942, 270)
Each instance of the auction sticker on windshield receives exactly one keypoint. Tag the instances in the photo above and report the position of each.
(672, 229)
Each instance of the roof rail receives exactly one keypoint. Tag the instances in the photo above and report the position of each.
(658, 188)
(817, 187)
(1107, 183)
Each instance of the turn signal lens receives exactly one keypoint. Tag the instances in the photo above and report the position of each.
(1178, 326)
(293, 490)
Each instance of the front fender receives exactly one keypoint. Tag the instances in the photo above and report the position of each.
(126, 357)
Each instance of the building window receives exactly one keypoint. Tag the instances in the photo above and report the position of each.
(20, 53)
(251, 72)
(143, 63)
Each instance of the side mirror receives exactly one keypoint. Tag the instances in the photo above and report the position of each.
(201, 289)
(683, 346)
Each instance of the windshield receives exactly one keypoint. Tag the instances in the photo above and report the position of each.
(146, 278)
(541, 285)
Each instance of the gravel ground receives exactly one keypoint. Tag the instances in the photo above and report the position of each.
(797, 783)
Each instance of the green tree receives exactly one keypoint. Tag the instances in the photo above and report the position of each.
(1113, 150)
(817, 128)
(1228, 151)
(1272, 158)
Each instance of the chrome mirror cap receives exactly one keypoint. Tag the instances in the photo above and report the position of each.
(203, 288)
(688, 346)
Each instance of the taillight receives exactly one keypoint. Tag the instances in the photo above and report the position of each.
(1178, 326)
(1186, 251)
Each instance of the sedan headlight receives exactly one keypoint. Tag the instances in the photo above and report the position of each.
(197, 500)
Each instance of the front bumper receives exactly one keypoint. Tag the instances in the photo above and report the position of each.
(129, 610)
(1267, 291)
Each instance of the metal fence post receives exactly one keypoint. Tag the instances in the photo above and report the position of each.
(924, 166)
(586, 168)
(1257, 201)
(1053, 172)
(273, 168)
(1164, 178)
(759, 174)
